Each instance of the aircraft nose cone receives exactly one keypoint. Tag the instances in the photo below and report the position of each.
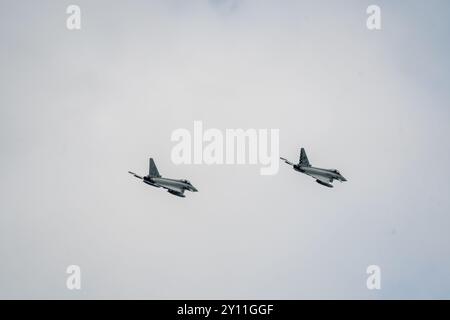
(343, 179)
(194, 189)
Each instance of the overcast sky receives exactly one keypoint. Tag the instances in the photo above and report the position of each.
(78, 109)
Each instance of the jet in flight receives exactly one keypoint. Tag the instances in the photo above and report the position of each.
(323, 176)
(175, 187)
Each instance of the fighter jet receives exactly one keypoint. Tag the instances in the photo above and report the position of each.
(323, 176)
(175, 187)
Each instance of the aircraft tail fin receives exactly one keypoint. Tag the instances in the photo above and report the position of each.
(304, 162)
(153, 171)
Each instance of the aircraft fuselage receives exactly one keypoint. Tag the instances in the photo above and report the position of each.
(169, 183)
(328, 174)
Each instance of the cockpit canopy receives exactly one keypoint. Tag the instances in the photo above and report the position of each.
(186, 181)
(336, 171)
